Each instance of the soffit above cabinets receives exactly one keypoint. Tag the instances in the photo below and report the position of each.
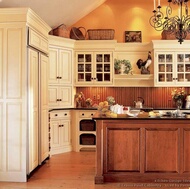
(56, 12)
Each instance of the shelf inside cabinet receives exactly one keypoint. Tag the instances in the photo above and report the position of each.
(140, 80)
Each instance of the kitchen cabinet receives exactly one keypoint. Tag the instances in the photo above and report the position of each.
(60, 96)
(94, 68)
(38, 108)
(60, 131)
(94, 62)
(172, 65)
(23, 111)
(60, 72)
(83, 130)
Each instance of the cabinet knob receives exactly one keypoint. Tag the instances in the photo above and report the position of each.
(82, 114)
(92, 114)
(57, 77)
(56, 114)
(65, 114)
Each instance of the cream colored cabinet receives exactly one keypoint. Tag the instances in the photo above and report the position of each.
(60, 96)
(20, 110)
(94, 68)
(60, 72)
(172, 68)
(83, 130)
(38, 108)
(60, 131)
(171, 63)
(60, 66)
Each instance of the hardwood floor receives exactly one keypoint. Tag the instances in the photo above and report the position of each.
(73, 170)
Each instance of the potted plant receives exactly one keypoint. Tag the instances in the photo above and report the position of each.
(117, 66)
(122, 66)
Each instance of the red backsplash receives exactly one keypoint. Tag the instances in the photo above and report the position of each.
(157, 97)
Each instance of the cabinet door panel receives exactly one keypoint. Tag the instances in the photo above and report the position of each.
(43, 109)
(53, 95)
(53, 66)
(65, 94)
(65, 129)
(65, 66)
(1, 63)
(55, 133)
(33, 109)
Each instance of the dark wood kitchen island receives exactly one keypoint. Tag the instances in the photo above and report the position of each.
(142, 149)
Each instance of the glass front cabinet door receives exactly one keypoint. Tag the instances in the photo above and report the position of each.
(94, 68)
(172, 69)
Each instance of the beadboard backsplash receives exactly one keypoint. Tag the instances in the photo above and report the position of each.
(156, 97)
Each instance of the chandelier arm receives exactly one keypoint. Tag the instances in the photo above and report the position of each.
(176, 25)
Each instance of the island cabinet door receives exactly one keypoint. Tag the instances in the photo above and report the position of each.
(123, 149)
(161, 151)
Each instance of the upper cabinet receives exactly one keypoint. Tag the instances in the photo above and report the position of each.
(94, 68)
(60, 66)
(172, 64)
(94, 62)
(60, 87)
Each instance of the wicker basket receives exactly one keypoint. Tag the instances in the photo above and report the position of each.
(61, 31)
(171, 36)
(101, 34)
(77, 34)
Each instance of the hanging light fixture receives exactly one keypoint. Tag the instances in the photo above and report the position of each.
(178, 25)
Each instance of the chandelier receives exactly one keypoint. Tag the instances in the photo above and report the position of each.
(178, 25)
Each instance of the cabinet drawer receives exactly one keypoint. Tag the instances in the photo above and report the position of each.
(60, 114)
(37, 41)
(86, 114)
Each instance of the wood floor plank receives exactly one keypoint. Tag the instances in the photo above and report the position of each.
(73, 170)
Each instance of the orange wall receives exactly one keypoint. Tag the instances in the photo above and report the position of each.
(123, 15)
(127, 15)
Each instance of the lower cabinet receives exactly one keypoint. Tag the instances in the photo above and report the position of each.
(83, 130)
(60, 132)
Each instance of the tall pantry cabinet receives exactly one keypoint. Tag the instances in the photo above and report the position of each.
(23, 83)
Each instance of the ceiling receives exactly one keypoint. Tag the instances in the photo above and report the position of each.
(56, 12)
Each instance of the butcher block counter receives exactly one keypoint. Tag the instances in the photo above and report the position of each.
(142, 149)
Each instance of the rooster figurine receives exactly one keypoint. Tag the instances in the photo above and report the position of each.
(145, 65)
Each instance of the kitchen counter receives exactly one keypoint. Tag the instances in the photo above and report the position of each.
(142, 149)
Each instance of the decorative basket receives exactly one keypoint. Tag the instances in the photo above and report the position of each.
(101, 34)
(171, 36)
(61, 31)
(77, 34)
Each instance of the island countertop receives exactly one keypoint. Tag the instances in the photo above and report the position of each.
(142, 149)
(141, 116)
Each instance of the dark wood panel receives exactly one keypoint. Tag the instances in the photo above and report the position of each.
(156, 97)
(161, 154)
(123, 150)
(186, 143)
